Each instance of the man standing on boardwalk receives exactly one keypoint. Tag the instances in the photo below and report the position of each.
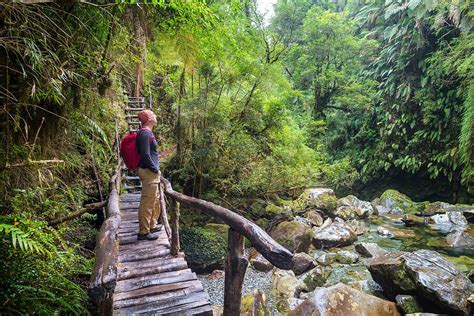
(149, 173)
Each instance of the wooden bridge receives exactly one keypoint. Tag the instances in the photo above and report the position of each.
(151, 277)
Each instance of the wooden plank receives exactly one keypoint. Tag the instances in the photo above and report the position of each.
(173, 266)
(145, 247)
(157, 279)
(130, 257)
(158, 289)
(193, 308)
(161, 302)
(142, 252)
(132, 240)
(145, 264)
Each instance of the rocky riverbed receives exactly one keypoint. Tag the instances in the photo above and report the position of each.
(389, 256)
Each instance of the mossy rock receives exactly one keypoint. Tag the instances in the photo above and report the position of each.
(315, 198)
(393, 199)
(205, 248)
(257, 209)
(294, 236)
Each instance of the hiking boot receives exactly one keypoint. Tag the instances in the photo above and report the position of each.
(148, 236)
(156, 229)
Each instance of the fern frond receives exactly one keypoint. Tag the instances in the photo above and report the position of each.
(21, 239)
(96, 128)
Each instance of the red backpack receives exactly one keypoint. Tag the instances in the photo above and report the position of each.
(129, 152)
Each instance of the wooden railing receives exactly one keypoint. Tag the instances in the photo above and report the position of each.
(104, 275)
(236, 263)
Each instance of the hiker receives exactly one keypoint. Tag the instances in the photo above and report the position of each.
(149, 173)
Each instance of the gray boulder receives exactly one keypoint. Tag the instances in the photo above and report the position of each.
(448, 221)
(369, 249)
(303, 262)
(434, 279)
(325, 258)
(314, 218)
(316, 198)
(285, 288)
(336, 234)
(350, 207)
(345, 256)
(341, 299)
(461, 238)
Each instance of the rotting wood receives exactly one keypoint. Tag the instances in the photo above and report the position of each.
(174, 227)
(235, 267)
(278, 255)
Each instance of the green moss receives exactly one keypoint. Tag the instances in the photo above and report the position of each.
(203, 247)
(219, 229)
(273, 210)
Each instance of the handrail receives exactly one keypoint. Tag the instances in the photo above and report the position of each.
(104, 275)
(278, 255)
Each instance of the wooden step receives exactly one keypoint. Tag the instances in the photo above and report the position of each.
(134, 109)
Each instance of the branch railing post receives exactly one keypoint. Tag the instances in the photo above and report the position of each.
(235, 267)
(164, 213)
(174, 214)
(104, 275)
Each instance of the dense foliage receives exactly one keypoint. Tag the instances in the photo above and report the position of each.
(325, 92)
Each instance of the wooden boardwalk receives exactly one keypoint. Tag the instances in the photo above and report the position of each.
(150, 281)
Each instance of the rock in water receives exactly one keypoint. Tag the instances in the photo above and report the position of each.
(394, 202)
(285, 287)
(341, 299)
(414, 220)
(461, 238)
(334, 235)
(449, 221)
(254, 304)
(390, 231)
(345, 256)
(294, 236)
(303, 262)
(424, 272)
(369, 249)
(325, 258)
(350, 207)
